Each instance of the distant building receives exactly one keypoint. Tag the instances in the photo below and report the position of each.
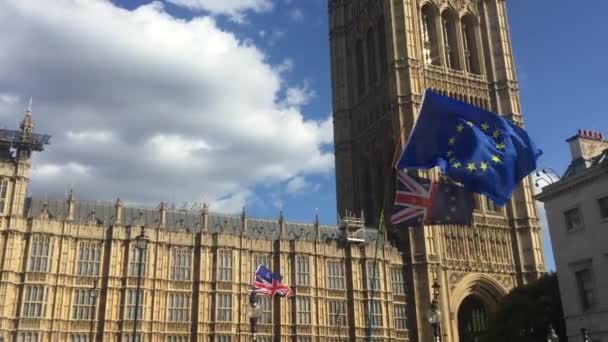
(577, 213)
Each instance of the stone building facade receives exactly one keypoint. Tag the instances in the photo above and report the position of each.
(384, 55)
(69, 270)
(577, 213)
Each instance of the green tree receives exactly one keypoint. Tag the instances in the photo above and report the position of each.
(525, 313)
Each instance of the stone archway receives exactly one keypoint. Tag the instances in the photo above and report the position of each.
(472, 319)
(474, 294)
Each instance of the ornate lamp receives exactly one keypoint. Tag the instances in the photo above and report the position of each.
(255, 313)
(551, 335)
(434, 313)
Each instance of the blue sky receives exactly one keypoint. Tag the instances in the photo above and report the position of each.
(246, 86)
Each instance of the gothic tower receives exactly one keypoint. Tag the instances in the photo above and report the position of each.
(384, 54)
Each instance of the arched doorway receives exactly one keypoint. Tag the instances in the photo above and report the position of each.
(472, 319)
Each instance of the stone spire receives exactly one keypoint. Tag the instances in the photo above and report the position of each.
(27, 125)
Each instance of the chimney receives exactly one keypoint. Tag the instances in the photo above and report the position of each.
(587, 144)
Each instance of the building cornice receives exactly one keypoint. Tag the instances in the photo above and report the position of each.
(567, 184)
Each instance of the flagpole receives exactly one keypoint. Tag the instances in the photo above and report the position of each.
(374, 268)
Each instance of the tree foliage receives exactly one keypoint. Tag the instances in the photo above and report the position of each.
(524, 314)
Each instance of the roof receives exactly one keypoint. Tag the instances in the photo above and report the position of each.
(578, 171)
(102, 213)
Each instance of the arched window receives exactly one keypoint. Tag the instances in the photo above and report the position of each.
(360, 66)
(371, 57)
(450, 40)
(471, 50)
(382, 45)
(430, 35)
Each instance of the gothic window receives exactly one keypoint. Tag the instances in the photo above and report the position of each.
(471, 50)
(83, 307)
(34, 301)
(360, 61)
(491, 206)
(382, 48)
(80, 338)
(373, 276)
(224, 307)
(266, 306)
(3, 187)
(224, 265)
(303, 311)
(28, 336)
(371, 57)
(397, 280)
(131, 338)
(177, 338)
(376, 316)
(260, 259)
(132, 302)
(179, 307)
(400, 317)
(303, 339)
(181, 264)
(39, 253)
(303, 270)
(450, 40)
(335, 275)
(430, 35)
(223, 338)
(89, 257)
(337, 313)
(137, 262)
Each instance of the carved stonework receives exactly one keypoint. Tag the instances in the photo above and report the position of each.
(454, 278)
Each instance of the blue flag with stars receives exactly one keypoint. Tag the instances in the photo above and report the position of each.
(479, 149)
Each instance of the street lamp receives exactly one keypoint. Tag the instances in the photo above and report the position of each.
(141, 244)
(434, 313)
(255, 312)
(584, 335)
(93, 301)
(551, 335)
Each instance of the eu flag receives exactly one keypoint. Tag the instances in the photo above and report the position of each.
(483, 151)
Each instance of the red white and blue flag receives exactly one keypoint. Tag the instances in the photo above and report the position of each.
(270, 284)
(418, 201)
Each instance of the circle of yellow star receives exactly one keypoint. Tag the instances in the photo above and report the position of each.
(496, 133)
(471, 167)
(496, 159)
(459, 128)
(452, 141)
(456, 165)
(500, 146)
(485, 126)
(450, 153)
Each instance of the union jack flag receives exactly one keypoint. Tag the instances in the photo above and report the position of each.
(270, 284)
(419, 201)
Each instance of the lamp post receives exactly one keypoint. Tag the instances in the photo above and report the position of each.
(93, 300)
(551, 335)
(584, 335)
(141, 244)
(434, 313)
(255, 312)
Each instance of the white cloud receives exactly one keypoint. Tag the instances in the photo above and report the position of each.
(90, 136)
(9, 99)
(148, 107)
(296, 14)
(299, 96)
(235, 9)
(300, 184)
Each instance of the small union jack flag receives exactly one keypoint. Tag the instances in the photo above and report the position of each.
(419, 201)
(270, 284)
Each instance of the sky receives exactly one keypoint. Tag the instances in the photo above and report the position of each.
(229, 101)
